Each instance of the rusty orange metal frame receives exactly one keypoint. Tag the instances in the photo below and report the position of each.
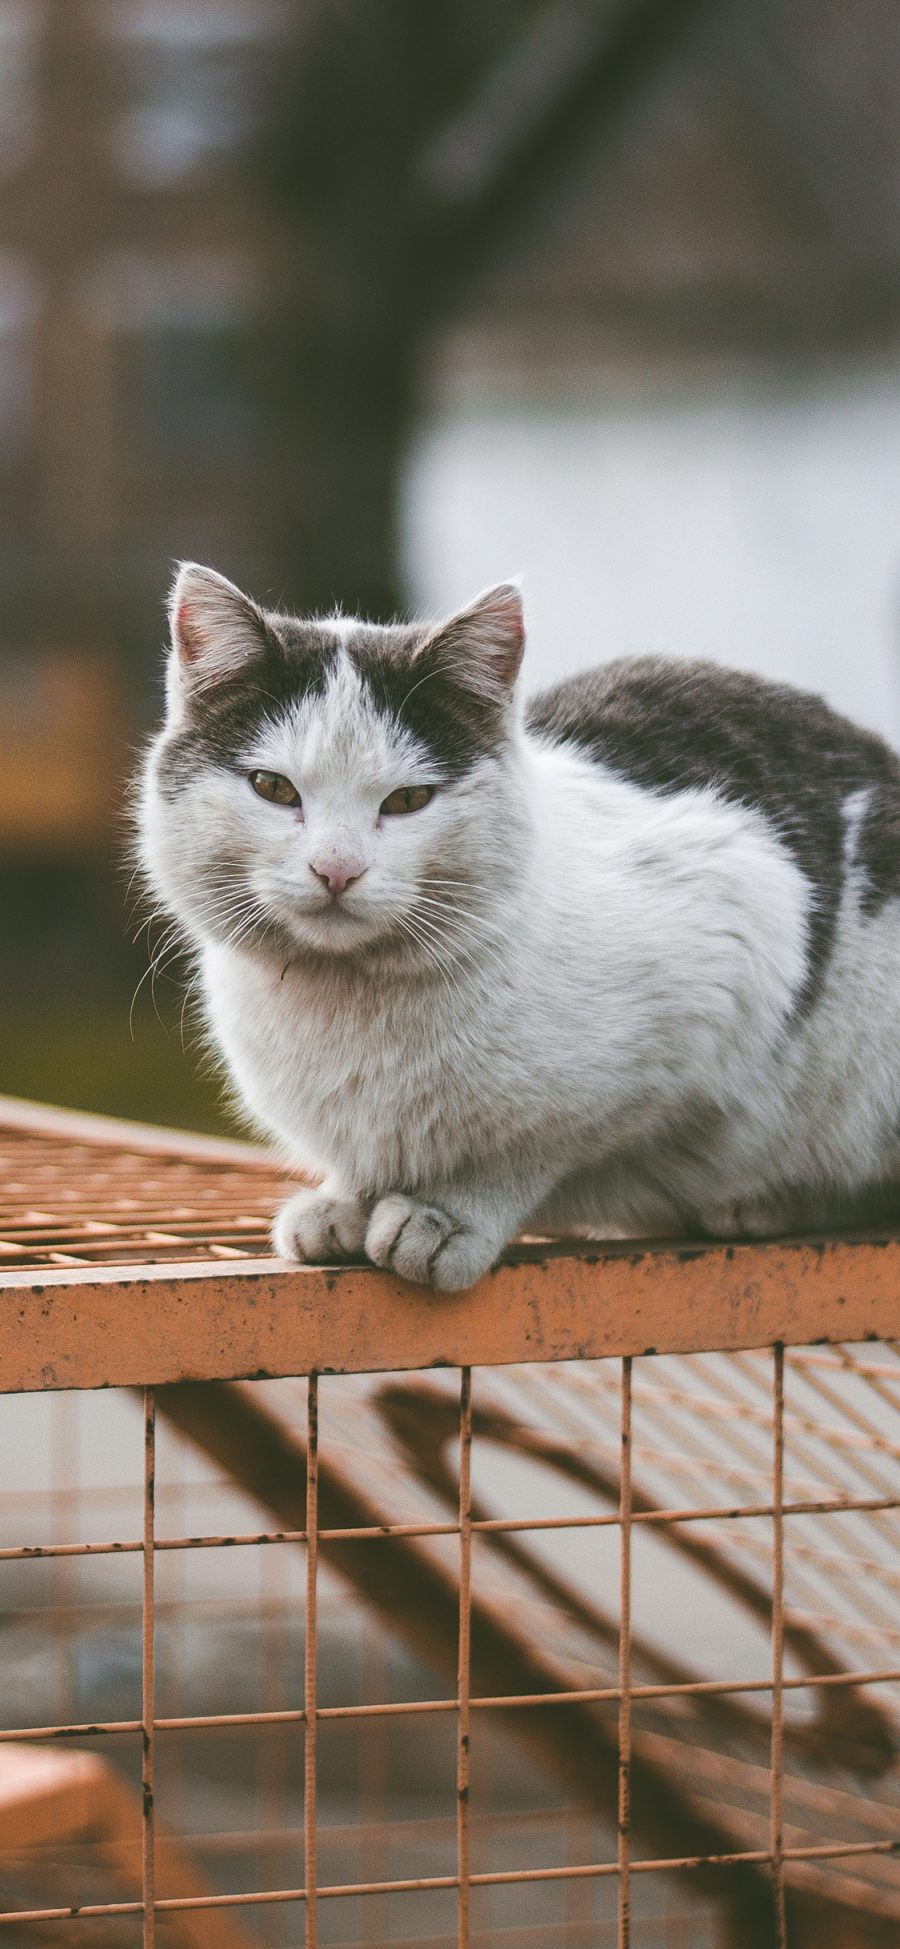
(149, 1324)
(18, 1113)
(91, 1296)
(120, 1326)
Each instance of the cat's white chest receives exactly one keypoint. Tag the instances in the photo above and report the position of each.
(367, 1087)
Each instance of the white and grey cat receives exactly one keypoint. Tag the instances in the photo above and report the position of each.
(627, 960)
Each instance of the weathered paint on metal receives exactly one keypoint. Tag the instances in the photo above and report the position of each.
(107, 1326)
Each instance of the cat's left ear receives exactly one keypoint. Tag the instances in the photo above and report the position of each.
(481, 646)
(215, 632)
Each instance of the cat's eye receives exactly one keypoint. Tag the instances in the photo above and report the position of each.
(272, 785)
(407, 798)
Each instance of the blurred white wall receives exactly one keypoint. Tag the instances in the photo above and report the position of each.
(753, 521)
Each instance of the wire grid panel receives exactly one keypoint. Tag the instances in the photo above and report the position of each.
(67, 1201)
(582, 1561)
(553, 1654)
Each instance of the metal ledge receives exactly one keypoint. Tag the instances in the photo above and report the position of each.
(169, 1319)
(147, 1325)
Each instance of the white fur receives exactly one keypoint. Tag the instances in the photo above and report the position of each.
(592, 1027)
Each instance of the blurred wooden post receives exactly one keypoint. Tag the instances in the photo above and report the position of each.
(406, 141)
(76, 1802)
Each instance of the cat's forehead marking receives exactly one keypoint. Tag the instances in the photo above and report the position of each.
(412, 686)
(337, 735)
(401, 683)
(381, 692)
(343, 627)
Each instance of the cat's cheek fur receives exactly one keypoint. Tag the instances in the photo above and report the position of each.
(190, 841)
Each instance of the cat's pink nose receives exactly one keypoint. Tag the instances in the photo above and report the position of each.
(338, 874)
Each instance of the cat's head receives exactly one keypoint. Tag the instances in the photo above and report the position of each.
(330, 785)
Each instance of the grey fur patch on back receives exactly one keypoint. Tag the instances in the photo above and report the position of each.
(672, 726)
(878, 849)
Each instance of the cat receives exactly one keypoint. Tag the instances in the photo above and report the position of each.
(626, 961)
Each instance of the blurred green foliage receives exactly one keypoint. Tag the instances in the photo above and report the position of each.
(93, 1060)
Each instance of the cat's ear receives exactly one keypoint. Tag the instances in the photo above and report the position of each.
(481, 646)
(215, 630)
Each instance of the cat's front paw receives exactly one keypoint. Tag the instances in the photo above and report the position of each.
(317, 1229)
(423, 1243)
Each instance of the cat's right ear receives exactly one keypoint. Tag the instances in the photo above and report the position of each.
(215, 630)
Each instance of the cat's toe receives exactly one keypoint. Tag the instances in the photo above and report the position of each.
(317, 1229)
(424, 1244)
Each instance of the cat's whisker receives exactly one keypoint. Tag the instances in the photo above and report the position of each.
(148, 922)
(168, 953)
(461, 881)
(427, 948)
(455, 911)
(144, 977)
(450, 911)
(453, 957)
(230, 910)
(457, 953)
(159, 960)
(160, 947)
(137, 871)
(425, 934)
(451, 903)
(436, 672)
(460, 889)
(233, 901)
(187, 997)
(244, 931)
(459, 895)
(456, 928)
(172, 945)
(479, 948)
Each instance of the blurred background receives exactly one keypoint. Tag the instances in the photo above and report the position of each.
(377, 303)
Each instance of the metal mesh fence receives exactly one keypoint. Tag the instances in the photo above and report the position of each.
(545, 1652)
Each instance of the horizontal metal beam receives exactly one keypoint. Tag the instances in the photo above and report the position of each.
(89, 1326)
(84, 1127)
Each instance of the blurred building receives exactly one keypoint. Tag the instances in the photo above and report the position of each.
(621, 281)
(671, 396)
(132, 253)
